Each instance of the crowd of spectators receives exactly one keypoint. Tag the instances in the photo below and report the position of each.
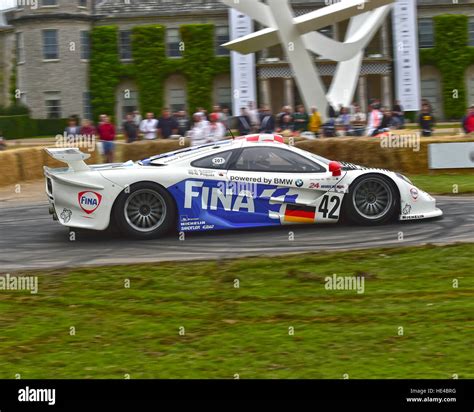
(203, 127)
(343, 121)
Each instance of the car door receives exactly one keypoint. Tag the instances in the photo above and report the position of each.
(287, 187)
(203, 197)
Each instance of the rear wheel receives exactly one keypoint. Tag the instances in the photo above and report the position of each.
(372, 200)
(147, 211)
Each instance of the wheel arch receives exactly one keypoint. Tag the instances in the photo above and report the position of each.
(357, 179)
(122, 192)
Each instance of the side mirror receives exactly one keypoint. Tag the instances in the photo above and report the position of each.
(335, 168)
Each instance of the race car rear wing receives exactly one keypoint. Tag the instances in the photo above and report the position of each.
(73, 157)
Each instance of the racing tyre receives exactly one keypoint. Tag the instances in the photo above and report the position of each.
(372, 200)
(148, 211)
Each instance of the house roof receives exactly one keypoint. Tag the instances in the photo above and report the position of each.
(112, 8)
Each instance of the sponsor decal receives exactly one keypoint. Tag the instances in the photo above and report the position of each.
(204, 204)
(282, 182)
(214, 197)
(89, 201)
(407, 209)
(334, 187)
(66, 215)
(202, 172)
(265, 180)
(299, 183)
(413, 217)
(414, 193)
(246, 179)
(300, 214)
(190, 224)
(218, 161)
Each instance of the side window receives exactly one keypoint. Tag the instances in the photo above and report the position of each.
(272, 159)
(214, 161)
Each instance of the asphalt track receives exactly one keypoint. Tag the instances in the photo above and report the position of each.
(29, 239)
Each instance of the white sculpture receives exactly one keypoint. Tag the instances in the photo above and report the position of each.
(299, 39)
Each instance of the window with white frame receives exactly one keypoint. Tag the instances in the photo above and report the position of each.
(177, 100)
(87, 106)
(425, 33)
(173, 40)
(53, 105)
(125, 44)
(85, 45)
(222, 37)
(20, 48)
(50, 44)
(129, 102)
(471, 31)
(224, 96)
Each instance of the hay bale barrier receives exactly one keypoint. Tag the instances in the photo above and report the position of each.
(144, 149)
(30, 162)
(10, 172)
(368, 151)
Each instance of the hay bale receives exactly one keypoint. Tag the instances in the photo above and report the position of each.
(144, 149)
(10, 172)
(31, 162)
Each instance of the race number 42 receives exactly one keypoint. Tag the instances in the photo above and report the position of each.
(329, 206)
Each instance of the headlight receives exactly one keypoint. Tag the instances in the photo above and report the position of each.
(404, 178)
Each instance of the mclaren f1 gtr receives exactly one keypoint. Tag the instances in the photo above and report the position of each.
(252, 181)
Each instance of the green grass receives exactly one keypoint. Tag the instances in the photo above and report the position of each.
(245, 330)
(445, 184)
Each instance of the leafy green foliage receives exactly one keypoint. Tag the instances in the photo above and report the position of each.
(451, 55)
(151, 66)
(200, 64)
(22, 126)
(104, 69)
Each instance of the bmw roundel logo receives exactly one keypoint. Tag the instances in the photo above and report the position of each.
(299, 183)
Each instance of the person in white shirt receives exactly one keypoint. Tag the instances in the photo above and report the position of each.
(375, 120)
(254, 116)
(149, 127)
(358, 121)
(215, 130)
(137, 118)
(199, 132)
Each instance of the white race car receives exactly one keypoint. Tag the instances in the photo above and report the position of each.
(252, 181)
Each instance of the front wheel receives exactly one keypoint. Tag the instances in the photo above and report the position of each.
(146, 211)
(372, 200)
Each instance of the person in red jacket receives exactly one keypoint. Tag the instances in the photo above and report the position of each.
(469, 121)
(107, 136)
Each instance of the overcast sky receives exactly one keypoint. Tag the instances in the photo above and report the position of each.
(5, 4)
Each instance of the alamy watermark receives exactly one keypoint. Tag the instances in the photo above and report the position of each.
(336, 282)
(11, 282)
(396, 141)
(37, 395)
(86, 141)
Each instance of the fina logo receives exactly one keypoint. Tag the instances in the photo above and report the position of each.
(89, 201)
